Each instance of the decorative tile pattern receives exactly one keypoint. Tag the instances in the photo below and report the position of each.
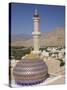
(29, 72)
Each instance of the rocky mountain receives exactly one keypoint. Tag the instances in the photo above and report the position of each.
(53, 38)
(20, 37)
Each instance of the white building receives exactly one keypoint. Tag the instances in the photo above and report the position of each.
(44, 54)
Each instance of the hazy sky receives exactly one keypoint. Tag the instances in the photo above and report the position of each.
(51, 17)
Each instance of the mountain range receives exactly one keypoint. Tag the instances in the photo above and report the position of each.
(53, 38)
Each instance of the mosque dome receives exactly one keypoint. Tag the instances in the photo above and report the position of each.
(30, 71)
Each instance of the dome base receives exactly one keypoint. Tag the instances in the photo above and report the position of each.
(32, 83)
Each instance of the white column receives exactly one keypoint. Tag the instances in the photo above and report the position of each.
(36, 24)
(36, 34)
(36, 43)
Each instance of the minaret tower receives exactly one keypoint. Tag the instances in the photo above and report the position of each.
(36, 33)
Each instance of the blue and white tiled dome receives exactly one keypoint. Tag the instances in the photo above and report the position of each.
(30, 72)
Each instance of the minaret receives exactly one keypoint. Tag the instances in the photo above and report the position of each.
(36, 33)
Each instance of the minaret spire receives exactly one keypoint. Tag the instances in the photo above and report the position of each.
(36, 13)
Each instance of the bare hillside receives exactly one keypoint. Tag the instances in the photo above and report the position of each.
(53, 38)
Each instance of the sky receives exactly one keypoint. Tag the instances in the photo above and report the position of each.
(51, 17)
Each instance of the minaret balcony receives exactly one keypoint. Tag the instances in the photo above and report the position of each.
(36, 33)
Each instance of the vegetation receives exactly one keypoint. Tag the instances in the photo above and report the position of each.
(50, 54)
(62, 63)
(44, 48)
(18, 52)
